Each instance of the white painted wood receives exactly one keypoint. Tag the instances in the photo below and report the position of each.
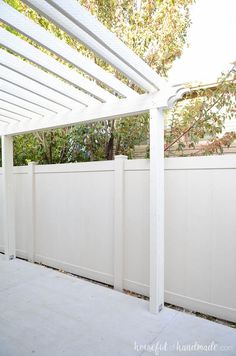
(3, 121)
(23, 104)
(12, 116)
(119, 222)
(32, 30)
(17, 110)
(40, 76)
(62, 102)
(8, 197)
(75, 20)
(122, 108)
(156, 210)
(24, 94)
(6, 120)
(31, 211)
(36, 56)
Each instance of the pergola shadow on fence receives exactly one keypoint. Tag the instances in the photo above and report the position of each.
(51, 95)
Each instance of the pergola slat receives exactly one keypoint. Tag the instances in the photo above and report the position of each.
(56, 98)
(12, 116)
(9, 98)
(30, 29)
(37, 88)
(28, 96)
(36, 56)
(40, 76)
(3, 121)
(75, 20)
(15, 109)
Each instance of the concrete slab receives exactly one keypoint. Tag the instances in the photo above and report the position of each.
(47, 313)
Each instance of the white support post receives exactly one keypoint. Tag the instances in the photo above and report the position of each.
(31, 211)
(156, 210)
(8, 198)
(119, 222)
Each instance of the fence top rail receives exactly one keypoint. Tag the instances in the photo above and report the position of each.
(174, 163)
(201, 163)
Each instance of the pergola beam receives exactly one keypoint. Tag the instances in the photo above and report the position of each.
(107, 111)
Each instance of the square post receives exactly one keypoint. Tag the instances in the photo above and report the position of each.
(31, 211)
(8, 197)
(119, 221)
(156, 210)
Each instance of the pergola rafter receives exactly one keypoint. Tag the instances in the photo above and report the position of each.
(38, 92)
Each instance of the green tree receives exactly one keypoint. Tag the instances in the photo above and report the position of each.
(202, 115)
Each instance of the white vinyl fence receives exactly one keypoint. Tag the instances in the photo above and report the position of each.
(66, 217)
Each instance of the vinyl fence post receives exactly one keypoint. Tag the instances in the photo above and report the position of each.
(8, 198)
(119, 222)
(31, 211)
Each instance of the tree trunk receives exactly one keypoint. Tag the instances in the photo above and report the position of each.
(110, 144)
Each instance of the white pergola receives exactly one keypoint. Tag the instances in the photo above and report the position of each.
(51, 95)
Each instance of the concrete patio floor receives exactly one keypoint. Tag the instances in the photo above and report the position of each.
(47, 313)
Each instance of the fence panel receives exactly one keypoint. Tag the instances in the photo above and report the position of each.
(77, 226)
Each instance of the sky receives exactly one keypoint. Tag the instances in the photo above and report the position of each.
(212, 43)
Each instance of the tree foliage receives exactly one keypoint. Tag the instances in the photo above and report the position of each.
(202, 116)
